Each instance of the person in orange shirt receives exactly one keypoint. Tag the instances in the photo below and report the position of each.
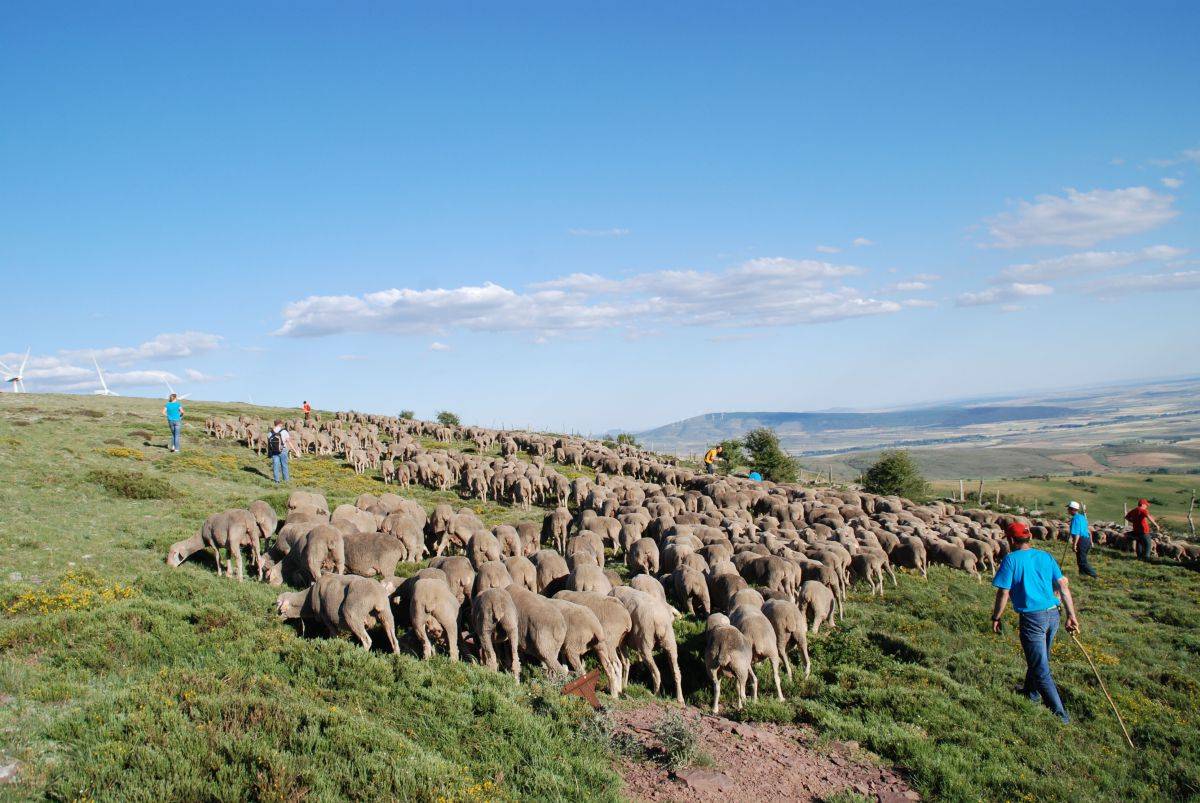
(307, 408)
(710, 459)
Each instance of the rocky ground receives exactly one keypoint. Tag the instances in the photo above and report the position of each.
(754, 762)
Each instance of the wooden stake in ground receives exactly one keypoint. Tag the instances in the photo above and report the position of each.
(962, 496)
(1191, 507)
(981, 491)
(1103, 688)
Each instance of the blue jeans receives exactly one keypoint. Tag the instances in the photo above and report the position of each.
(1037, 631)
(175, 426)
(279, 466)
(1081, 555)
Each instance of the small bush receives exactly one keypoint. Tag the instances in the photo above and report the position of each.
(141, 433)
(75, 591)
(628, 439)
(131, 484)
(767, 456)
(678, 741)
(448, 419)
(408, 415)
(124, 451)
(92, 413)
(896, 474)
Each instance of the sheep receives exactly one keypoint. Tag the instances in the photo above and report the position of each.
(642, 556)
(522, 571)
(508, 539)
(264, 516)
(652, 626)
(554, 528)
(790, 626)
(910, 553)
(493, 574)
(483, 547)
(460, 574)
(722, 588)
(818, 596)
(433, 610)
(726, 652)
(541, 628)
(585, 632)
(954, 557)
(691, 591)
(586, 577)
(615, 620)
(551, 570)
(370, 554)
(869, 565)
(493, 614)
(764, 645)
(343, 602)
(229, 530)
(587, 547)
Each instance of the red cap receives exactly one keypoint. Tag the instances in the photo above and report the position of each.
(1018, 530)
(1143, 503)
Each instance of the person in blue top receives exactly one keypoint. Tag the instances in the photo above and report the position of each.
(1081, 538)
(1030, 578)
(173, 410)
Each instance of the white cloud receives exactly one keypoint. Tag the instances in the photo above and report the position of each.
(1087, 262)
(927, 277)
(598, 232)
(1080, 219)
(772, 291)
(828, 249)
(1183, 157)
(436, 346)
(171, 346)
(1117, 286)
(906, 287)
(1003, 293)
(859, 242)
(919, 302)
(1010, 308)
(1173, 183)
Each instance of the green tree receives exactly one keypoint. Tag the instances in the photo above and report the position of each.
(407, 414)
(732, 455)
(448, 419)
(628, 439)
(767, 456)
(895, 473)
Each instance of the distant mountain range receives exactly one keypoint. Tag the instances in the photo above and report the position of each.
(1065, 418)
(798, 430)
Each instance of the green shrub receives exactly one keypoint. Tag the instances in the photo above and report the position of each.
(678, 740)
(448, 419)
(131, 484)
(627, 439)
(896, 474)
(767, 456)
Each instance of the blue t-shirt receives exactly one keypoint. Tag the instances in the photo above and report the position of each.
(1030, 575)
(174, 411)
(1079, 526)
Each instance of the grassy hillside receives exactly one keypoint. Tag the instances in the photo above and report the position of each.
(121, 679)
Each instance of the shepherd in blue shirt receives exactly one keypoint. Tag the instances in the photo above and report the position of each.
(1030, 577)
(1081, 538)
(173, 410)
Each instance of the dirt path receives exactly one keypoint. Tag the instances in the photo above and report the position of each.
(754, 762)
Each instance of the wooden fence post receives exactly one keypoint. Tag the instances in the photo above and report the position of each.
(981, 491)
(1191, 507)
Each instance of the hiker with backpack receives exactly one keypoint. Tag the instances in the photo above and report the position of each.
(279, 442)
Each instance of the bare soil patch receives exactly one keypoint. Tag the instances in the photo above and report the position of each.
(1081, 460)
(754, 762)
(1145, 459)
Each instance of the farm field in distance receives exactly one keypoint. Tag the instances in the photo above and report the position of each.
(121, 678)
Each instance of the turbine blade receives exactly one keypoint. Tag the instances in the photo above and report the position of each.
(27, 350)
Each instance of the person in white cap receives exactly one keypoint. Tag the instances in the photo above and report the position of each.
(1081, 538)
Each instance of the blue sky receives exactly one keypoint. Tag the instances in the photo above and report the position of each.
(586, 216)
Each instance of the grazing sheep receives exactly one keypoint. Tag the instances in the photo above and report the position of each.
(586, 577)
(726, 652)
(953, 556)
(508, 539)
(494, 619)
(343, 602)
(652, 629)
(460, 574)
(643, 556)
(818, 596)
(229, 530)
(910, 553)
(691, 591)
(722, 589)
(370, 554)
(522, 571)
(615, 620)
(541, 628)
(554, 528)
(584, 633)
(492, 574)
(265, 517)
(433, 610)
(869, 565)
(790, 626)
(551, 570)
(764, 645)
(483, 547)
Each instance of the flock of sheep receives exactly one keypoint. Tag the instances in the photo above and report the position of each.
(763, 563)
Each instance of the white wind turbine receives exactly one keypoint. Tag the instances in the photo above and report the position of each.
(104, 391)
(14, 378)
(171, 390)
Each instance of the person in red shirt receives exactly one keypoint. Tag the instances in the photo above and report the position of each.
(1141, 520)
(307, 408)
